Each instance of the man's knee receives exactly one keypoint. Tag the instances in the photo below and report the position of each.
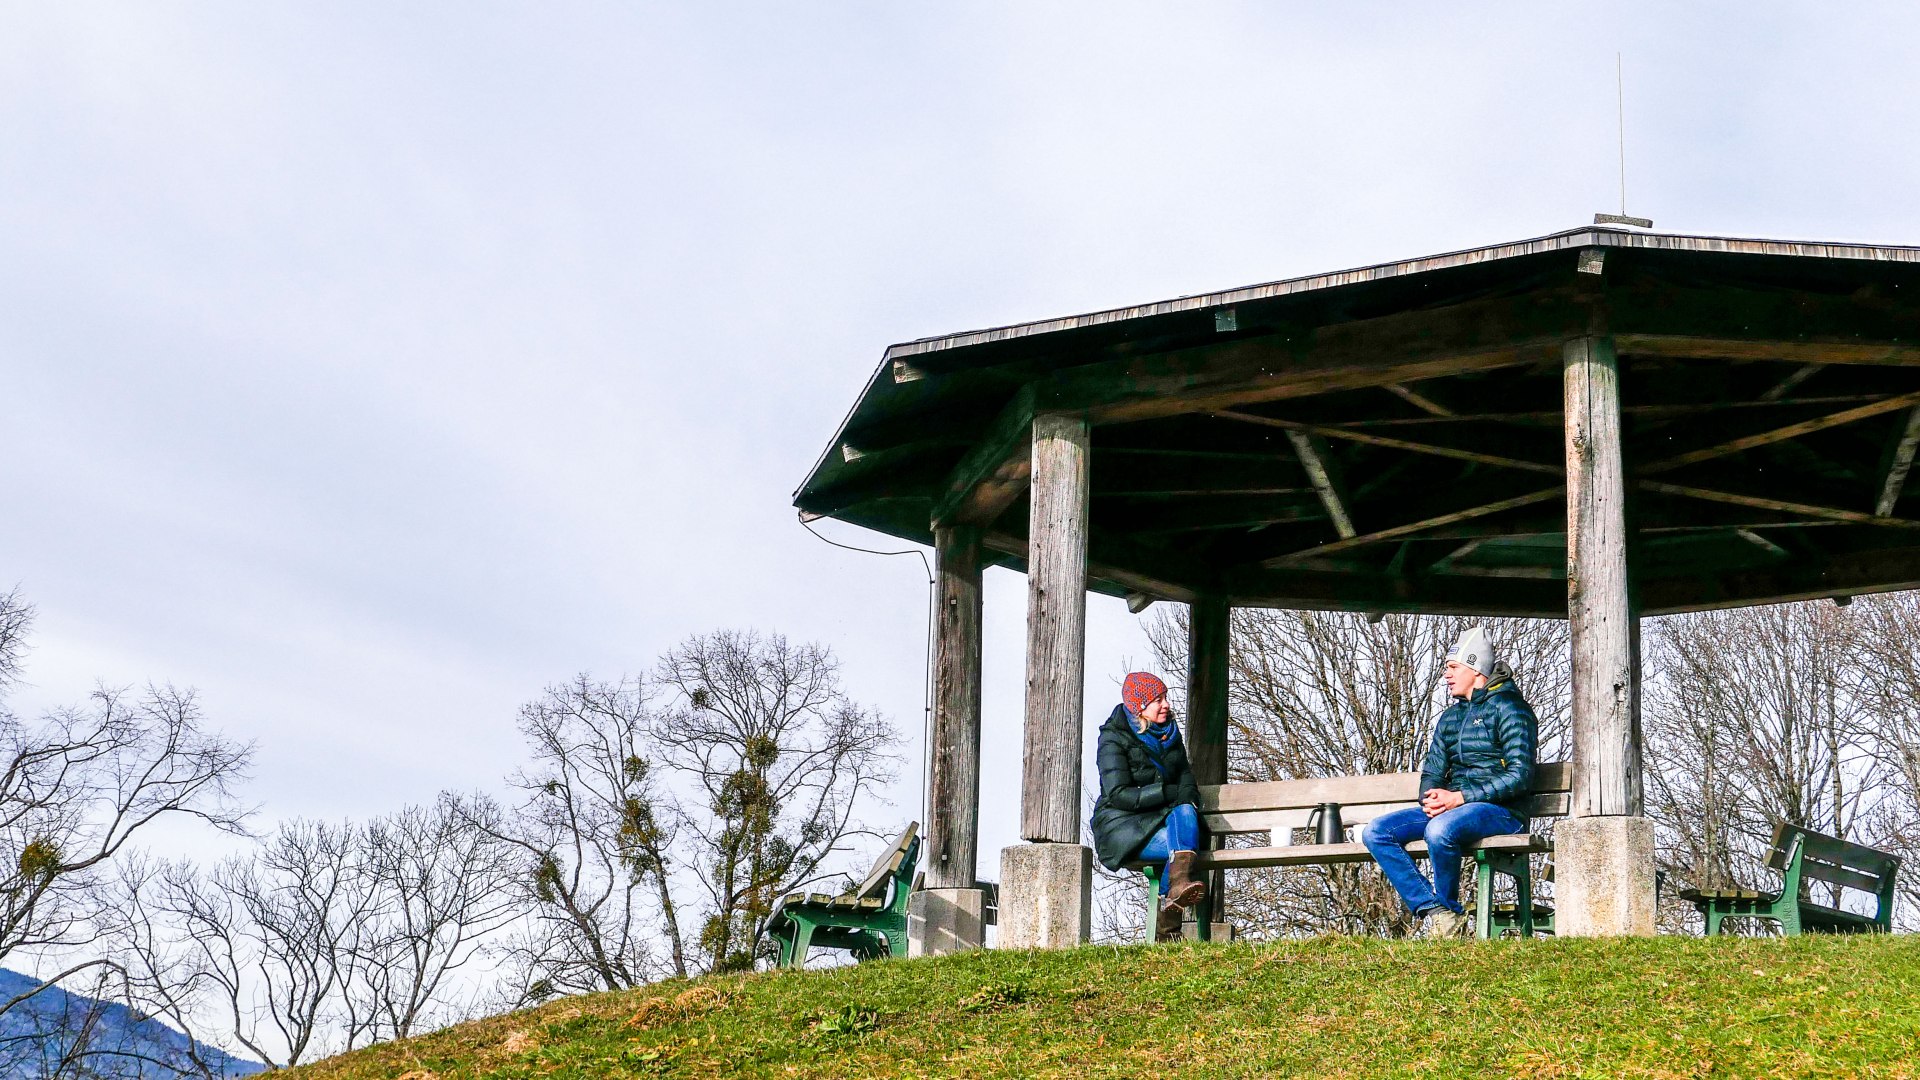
(1440, 834)
(1373, 834)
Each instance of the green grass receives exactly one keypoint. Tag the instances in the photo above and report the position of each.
(1666, 1007)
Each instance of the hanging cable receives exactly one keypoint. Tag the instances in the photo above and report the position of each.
(926, 686)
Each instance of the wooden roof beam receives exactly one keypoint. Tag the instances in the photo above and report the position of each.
(1850, 574)
(1117, 567)
(1418, 400)
(1773, 550)
(1378, 593)
(1829, 513)
(1791, 350)
(1413, 529)
(1898, 465)
(1474, 336)
(995, 473)
(1785, 386)
(1554, 419)
(1194, 493)
(1781, 434)
(1295, 428)
(1322, 475)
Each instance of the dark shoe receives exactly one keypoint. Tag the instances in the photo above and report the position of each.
(1183, 889)
(1168, 928)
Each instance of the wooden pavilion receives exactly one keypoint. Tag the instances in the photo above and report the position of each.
(1593, 425)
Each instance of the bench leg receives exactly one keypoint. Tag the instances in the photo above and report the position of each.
(874, 946)
(802, 941)
(1483, 895)
(1523, 888)
(1151, 876)
(1203, 918)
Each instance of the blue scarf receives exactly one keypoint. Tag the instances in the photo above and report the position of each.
(1157, 738)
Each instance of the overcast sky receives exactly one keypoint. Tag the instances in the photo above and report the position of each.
(369, 367)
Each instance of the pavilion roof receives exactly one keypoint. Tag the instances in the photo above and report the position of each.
(1389, 438)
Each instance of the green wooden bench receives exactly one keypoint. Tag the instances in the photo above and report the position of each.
(869, 920)
(1279, 807)
(1801, 856)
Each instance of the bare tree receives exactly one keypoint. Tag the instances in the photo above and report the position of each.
(1331, 694)
(277, 936)
(158, 973)
(781, 756)
(16, 622)
(77, 788)
(320, 937)
(1751, 721)
(1886, 724)
(592, 849)
(443, 883)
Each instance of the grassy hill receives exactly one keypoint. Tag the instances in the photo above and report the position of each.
(1665, 1007)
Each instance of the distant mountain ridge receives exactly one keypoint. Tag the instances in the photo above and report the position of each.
(38, 1033)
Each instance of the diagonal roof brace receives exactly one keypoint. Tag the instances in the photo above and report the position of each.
(1899, 465)
(1315, 459)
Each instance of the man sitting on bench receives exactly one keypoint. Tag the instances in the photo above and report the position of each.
(1474, 784)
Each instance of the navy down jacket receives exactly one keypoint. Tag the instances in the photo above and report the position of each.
(1483, 746)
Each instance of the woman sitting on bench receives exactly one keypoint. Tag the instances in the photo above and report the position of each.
(1147, 811)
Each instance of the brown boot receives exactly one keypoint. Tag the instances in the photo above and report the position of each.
(1183, 889)
(1168, 928)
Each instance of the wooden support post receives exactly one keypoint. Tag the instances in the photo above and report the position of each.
(1604, 852)
(1606, 685)
(1050, 808)
(1209, 623)
(953, 796)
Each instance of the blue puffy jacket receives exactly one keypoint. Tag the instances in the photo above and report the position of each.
(1483, 746)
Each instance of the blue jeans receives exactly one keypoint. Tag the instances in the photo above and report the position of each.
(1180, 832)
(1447, 837)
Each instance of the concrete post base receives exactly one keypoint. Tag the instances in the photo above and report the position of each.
(1046, 896)
(1603, 877)
(945, 921)
(1222, 932)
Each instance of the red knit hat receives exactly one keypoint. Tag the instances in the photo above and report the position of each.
(1139, 689)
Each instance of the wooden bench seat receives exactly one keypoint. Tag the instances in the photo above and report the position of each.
(1330, 854)
(1278, 808)
(1802, 856)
